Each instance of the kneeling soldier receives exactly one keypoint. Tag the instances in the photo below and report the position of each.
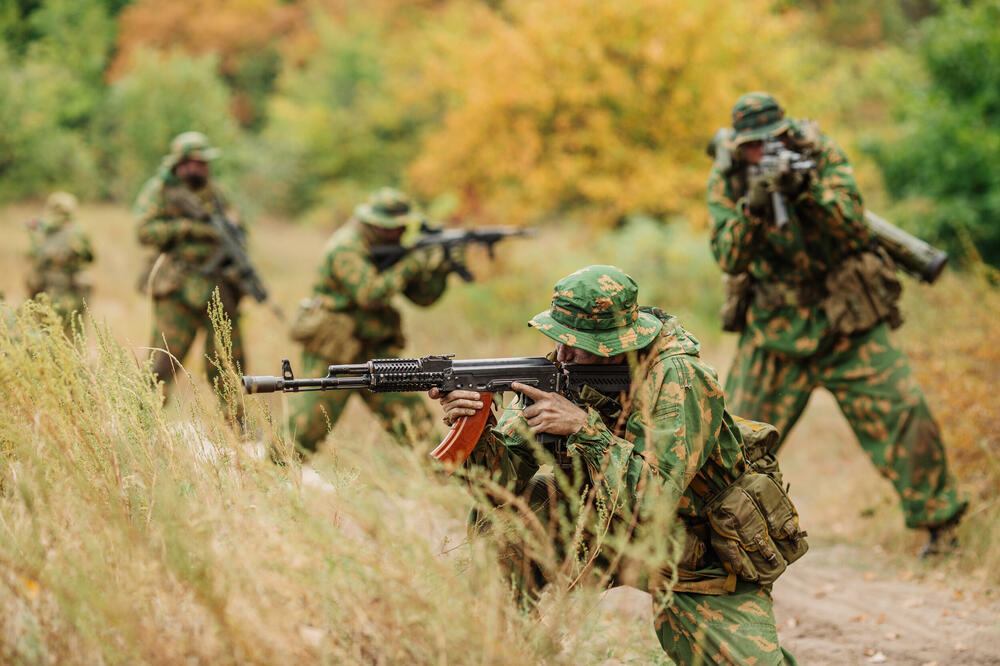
(668, 442)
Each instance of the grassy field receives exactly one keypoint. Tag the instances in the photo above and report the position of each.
(130, 532)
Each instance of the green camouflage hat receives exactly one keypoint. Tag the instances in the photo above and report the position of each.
(190, 146)
(59, 207)
(757, 116)
(387, 207)
(597, 309)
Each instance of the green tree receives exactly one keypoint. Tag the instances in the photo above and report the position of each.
(944, 164)
(338, 126)
(160, 97)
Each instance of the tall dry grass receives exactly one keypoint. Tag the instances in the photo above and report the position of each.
(134, 534)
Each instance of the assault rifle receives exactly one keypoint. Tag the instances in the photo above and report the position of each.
(230, 255)
(916, 257)
(450, 240)
(485, 375)
(776, 162)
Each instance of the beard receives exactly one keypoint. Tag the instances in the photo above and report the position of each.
(195, 182)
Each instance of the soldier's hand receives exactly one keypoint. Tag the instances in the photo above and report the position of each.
(457, 404)
(198, 230)
(758, 192)
(550, 412)
(791, 183)
(430, 258)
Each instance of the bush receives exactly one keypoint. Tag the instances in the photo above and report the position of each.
(160, 97)
(338, 127)
(39, 152)
(944, 163)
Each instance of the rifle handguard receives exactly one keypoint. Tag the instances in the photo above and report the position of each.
(458, 444)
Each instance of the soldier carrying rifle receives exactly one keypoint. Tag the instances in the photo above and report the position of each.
(350, 316)
(201, 246)
(813, 293)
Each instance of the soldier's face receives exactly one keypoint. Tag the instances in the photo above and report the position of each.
(384, 235)
(576, 356)
(752, 151)
(193, 172)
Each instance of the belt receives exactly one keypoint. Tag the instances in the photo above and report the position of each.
(770, 295)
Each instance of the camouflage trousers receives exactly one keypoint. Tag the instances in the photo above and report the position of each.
(735, 628)
(175, 325)
(403, 415)
(872, 382)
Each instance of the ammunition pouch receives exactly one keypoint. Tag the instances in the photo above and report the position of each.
(753, 525)
(863, 291)
(737, 293)
(164, 275)
(325, 332)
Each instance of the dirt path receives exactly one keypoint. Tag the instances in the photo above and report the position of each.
(843, 605)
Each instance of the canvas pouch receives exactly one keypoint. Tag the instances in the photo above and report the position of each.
(325, 332)
(754, 525)
(862, 292)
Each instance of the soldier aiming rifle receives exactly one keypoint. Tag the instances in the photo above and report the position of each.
(812, 290)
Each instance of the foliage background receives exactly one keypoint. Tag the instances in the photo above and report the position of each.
(587, 118)
(520, 112)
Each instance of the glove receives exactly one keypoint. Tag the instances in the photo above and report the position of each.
(429, 259)
(758, 192)
(792, 183)
(197, 230)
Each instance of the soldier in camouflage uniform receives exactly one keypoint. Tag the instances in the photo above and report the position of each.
(59, 252)
(788, 346)
(173, 208)
(669, 443)
(350, 317)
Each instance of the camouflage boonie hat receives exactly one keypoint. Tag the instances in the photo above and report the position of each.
(757, 116)
(60, 206)
(597, 309)
(190, 146)
(387, 207)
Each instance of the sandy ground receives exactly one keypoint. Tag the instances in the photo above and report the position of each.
(845, 605)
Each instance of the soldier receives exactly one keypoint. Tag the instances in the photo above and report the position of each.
(59, 252)
(350, 317)
(814, 301)
(669, 439)
(173, 209)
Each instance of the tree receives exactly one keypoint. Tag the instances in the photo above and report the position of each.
(944, 164)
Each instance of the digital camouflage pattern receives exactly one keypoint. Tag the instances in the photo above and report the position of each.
(349, 283)
(184, 241)
(59, 252)
(671, 439)
(596, 309)
(788, 347)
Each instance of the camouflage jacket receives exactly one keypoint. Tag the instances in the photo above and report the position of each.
(59, 251)
(826, 225)
(673, 427)
(349, 282)
(173, 219)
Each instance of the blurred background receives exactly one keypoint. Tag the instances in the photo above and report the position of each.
(515, 112)
(585, 119)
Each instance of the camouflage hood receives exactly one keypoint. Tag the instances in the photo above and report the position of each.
(674, 339)
(596, 309)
